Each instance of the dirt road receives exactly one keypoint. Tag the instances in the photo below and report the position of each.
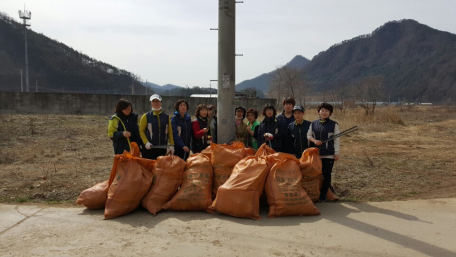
(399, 228)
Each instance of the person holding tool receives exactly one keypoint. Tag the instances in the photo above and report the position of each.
(155, 130)
(182, 129)
(240, 127)
(296, 135)
(123, 127)
(201, 131)
(319, 132)
(270, 130)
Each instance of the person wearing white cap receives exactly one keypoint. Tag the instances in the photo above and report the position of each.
(155, 130)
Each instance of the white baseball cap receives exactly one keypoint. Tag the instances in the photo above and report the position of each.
(155, 96)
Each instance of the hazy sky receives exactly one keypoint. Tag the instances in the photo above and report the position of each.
(170, 41)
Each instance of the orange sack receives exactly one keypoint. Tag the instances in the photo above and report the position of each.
(129, 185)
(167, 179)
(249, 151)
(95, 197)
(310, 164)
(312, 179)
(286, 197)
(224, 157)
(240, 194)
(195, 191)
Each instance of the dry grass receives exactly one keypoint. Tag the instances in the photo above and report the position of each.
(397, 154)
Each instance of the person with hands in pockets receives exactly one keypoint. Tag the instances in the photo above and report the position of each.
(155, 130)
(319, 131)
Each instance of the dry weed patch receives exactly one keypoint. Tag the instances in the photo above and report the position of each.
(397, 154)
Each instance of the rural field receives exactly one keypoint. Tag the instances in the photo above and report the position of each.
(399, 153)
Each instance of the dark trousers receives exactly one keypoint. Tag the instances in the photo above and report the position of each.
(327, 166)
(178, 151)
(153, 153)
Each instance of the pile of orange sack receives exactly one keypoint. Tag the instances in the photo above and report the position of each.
(223, 178)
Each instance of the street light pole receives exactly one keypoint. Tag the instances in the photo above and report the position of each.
(210, 87)
(26, 15)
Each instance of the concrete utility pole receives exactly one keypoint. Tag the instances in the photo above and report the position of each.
(26, 15)
(226, 71)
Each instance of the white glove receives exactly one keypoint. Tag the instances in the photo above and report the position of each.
(171, 150)
(148, 145)
(268, 135)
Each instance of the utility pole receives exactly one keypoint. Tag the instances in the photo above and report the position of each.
(132, 86)
(22, 83)
(226, 70)
(26, 15)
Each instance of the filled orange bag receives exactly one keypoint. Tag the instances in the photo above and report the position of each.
(310, 165)
(224, 157)
(95, 197)
(286, 197)
(239, 195)
(195, 192)
(249, 151)
(167, 174)
(129, 185)
(312, 179)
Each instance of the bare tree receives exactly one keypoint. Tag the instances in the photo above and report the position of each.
(367, 92)
(289, 81)
(250, 92)
(340, 97)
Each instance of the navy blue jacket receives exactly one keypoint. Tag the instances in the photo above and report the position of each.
(120, 143)
(296, 137)
(159, 127)
(273, 126)
(285, 121)
(182, 130)
(322, 130)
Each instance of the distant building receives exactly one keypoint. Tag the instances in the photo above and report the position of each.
(237, 95)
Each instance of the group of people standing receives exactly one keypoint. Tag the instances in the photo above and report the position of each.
(158, 133)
